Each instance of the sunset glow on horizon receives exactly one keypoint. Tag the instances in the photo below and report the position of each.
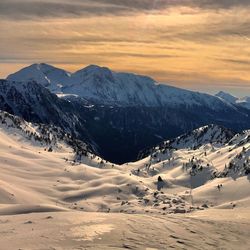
(202, 46)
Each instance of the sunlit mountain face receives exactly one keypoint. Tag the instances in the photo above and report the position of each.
(200, 45)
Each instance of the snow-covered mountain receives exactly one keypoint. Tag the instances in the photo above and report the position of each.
(32, 101)
(105, 126)
(209, 134)
(103, 86)
(35, 103)
(49, 76)
(105, 108)
(227, 97)
(213, 151)
(203, 135)
(242, 102)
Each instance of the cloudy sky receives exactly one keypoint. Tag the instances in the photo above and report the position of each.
(197, 44)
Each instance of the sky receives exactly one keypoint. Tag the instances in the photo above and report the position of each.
(202, 45)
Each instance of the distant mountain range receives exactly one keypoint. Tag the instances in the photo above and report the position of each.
(119, 114)
(102, 86)
(243, 102)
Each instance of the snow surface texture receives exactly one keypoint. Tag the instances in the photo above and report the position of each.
(46, 180)
(102, 86)
(218, 229)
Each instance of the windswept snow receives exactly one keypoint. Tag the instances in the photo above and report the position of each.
(183, 195)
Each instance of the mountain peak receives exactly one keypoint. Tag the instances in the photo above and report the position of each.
(47, 75)
(212, 133)
(96, 70)
(93, 67)
(38, 67)
(226, 96)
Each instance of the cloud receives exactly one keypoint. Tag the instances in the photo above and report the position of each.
(236, 61)
(27, 9)
(184, 42)
(224, 4)
(30, 9)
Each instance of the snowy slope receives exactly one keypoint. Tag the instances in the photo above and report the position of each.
(44, 169)
(200, 156)
(196, 138)
(49, 186)
(35, 103)
(40, 135)
(209, 134)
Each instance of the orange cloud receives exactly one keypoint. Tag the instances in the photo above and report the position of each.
(186, 46)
